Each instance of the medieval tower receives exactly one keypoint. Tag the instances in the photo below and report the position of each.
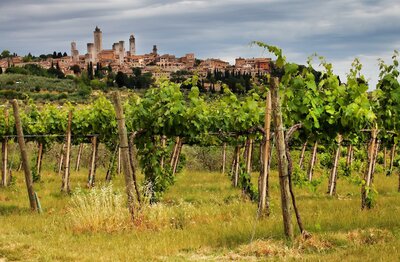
(74, 53)
(132, 45)
(98, 39)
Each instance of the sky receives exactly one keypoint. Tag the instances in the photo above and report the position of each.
(339, 30)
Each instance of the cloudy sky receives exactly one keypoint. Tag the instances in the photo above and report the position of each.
(340, 30)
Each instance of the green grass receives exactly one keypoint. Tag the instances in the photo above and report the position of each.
(202, 217)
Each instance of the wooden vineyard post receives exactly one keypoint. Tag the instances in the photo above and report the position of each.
(263, 202)
(163, 141)
(39, 159)
(236, 167)
(303, 151)
(178, 154)
(92, 168)
(119, 161)
(392, 155)
(283, 164)
(366, 185)
(111, 165)
(384, 158)
(349, 153)
(123, 141)
(333, 177)
(4, 154)
(174, 152)
(378, 142)
(249, 155)
(223, 158)
(78, 157)
(24, 157)
(61, 160)
(132, 164)
(312, 161)
(65, 179)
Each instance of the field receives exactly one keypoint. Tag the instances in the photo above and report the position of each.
(200, 218)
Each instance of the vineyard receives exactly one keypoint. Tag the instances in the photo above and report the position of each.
(303, 150)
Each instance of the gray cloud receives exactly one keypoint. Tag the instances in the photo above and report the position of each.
(339, 30)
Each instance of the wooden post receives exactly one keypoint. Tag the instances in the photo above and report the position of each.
(39, 159)
(236, 168)
(4, 154)
(61, 161)
(132, 164)
(163, 140)
(384, 157)
(119, 160)
(378, 142)
(303, 151)
(24, 157)
(123, 141)
(65, 179)
(92, 168)
(174, 152)
(333, 178)
(282, 160)
(78, 157)
(248, 156)
(349, 153)
(223, 158)
(368, 174)
(4, 174)
(111, 165)
(312, 161)
(263, 202)
(392, 155)
(178, 154)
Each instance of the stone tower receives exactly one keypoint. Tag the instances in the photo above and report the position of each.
(154, 50)
(98, 40)
(132, 45)
(74, 53)
(91, 53)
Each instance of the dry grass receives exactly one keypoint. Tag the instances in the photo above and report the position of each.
(99, 210)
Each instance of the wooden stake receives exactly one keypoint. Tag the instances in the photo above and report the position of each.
(263, 201)
(282, 160)
(78, 157)
(349, 152)
(119, 161)
(368, 174)
(333, 178)
(132, 165)
(92, 168)
(4, 151)
(39, 159)
(163, 140)
(24, 157)
(237, 162)
(392, 155)
(384, 158)
(223, 158)
(65, 179)
(61, 161)
(123, 141)
(303, 151)
(312, 161)
(111, 164)
(249, 155)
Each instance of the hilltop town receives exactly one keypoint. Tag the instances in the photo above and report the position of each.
(121, 60)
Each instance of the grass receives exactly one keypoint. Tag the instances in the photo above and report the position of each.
(202, 217)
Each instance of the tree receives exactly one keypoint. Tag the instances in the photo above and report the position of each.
(5, 54)
(76, 69)
(121, 79)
